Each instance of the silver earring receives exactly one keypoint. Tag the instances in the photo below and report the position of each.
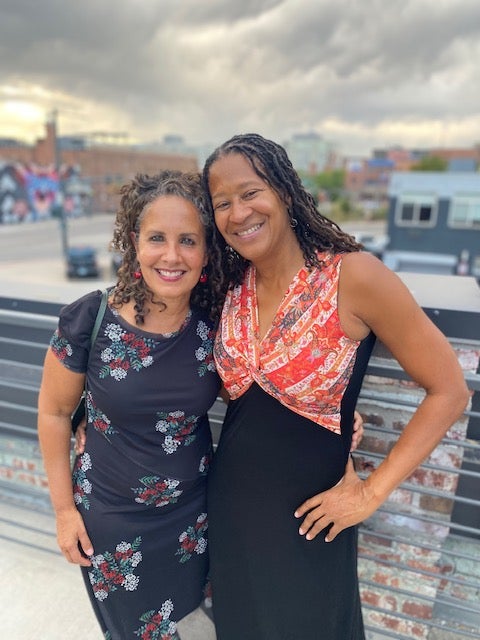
(293, 222)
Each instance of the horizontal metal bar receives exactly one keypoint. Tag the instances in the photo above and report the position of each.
(395, 401)
(425, 465)
(448, 524)
(395, 372)
(415, 488)
(22, 319)
(418, 596)
(24, 343)
(465, 444)
(13, 405)
(423, 572)
(19, 429)
(466, 633)
(419, 545)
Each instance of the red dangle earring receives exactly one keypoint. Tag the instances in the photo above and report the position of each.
(137, 274)
(203, 277)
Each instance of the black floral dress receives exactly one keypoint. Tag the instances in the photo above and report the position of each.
(140, 484)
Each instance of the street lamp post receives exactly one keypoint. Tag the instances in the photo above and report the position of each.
(58, 210)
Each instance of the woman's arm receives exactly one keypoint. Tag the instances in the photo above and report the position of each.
(371, 297)
(60, 392)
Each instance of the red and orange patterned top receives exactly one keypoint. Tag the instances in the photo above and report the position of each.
(305, 359)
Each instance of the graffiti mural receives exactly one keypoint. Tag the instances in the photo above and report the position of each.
(30, 193)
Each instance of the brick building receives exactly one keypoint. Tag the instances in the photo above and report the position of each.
(104, 165)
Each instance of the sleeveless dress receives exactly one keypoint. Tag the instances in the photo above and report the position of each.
(140, 485)
(286, 437)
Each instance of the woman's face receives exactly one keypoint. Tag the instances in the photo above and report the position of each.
(248, 212)
(171, 248)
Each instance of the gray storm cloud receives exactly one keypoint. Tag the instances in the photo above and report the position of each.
(209, 69)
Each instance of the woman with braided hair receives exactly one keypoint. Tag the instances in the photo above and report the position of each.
(297, 328)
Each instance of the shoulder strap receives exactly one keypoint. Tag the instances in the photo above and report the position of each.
(81, 409)
(99, 318)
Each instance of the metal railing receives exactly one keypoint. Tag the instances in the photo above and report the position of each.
(419, 568)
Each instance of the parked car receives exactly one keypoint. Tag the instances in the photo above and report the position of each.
(373, 243)
(82, 262)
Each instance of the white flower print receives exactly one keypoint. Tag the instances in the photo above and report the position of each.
(169, 445)
(166, 608)
(201, 353)
(163, 425)
(201, 546)
(86, 486)
(114, 332)
(86, 462)
(131, 582)
(202, 330)
(110, 571)
(107, 355)
(118, 374)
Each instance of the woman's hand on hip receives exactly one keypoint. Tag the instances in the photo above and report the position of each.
(344, 505)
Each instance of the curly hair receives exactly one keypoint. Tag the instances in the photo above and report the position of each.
(136, 197)
(270, 162)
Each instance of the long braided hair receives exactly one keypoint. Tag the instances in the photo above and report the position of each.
(136, 197)
(270, 162)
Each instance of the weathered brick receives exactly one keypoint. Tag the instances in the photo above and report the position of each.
(417, 609)
(439, 505)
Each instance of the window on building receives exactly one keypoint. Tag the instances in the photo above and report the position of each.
(416, 209)
(464, 211)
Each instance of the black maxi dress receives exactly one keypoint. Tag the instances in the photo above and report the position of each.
(140, 485)
(268, 582)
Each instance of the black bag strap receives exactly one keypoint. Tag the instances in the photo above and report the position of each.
(81, 409)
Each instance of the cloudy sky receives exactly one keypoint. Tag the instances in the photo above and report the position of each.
(363, 74)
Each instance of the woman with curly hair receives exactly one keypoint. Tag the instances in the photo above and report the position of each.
(135, 517)
(296, 332)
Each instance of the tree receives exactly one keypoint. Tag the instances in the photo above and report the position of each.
(430, 163)
(331, 182)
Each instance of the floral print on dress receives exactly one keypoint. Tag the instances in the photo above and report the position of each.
(60, 346)
(204, 465)
(193, 539)
(157, 491)
(177, 428)
(82, 487)
(113, 570)
(126, 351)
(98, 419)
(305, 359)
(204, 353)
(157, 624)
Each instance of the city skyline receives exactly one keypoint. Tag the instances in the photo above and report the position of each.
(362, 75)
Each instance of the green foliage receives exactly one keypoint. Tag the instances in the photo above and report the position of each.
(331, 182)
(430, 163)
